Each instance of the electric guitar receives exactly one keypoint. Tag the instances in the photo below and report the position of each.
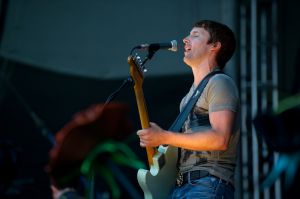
(158, 181)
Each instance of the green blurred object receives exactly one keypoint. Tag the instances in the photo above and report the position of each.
(288, 103)
(119, 154)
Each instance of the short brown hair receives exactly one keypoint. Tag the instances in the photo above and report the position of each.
(219, 33)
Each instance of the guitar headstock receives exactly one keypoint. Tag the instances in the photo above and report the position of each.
(136, 70)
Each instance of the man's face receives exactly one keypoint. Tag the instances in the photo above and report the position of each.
(196, 48)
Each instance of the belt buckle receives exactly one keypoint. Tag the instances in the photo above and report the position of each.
(179, 179)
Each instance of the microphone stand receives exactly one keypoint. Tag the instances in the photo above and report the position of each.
(114, 94)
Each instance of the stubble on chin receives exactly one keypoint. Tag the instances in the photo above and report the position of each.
(186, 60)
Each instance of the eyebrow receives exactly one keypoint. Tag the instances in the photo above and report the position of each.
(194, 32)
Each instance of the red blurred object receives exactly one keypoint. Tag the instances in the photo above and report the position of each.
(87, 128)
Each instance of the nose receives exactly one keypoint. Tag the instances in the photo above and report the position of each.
(185, 40)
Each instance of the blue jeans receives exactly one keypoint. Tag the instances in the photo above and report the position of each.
(204, 188)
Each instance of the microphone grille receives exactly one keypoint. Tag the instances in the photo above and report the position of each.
(174, 46)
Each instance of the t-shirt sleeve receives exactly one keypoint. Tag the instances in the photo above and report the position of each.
(222, 94)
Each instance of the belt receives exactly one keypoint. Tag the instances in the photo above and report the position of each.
(194, 175)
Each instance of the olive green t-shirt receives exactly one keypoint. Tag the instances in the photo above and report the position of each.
(219, 94)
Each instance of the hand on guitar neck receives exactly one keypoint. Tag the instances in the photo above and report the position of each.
(148, 139)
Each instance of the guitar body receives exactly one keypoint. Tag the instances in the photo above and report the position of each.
(161, 178)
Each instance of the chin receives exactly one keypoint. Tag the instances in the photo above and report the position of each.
(187, 61)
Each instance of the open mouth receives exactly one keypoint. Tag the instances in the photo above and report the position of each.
(187, 48)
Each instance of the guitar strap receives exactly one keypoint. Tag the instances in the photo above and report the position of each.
(181, 118)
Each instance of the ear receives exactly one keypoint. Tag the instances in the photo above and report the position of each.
(216, 46)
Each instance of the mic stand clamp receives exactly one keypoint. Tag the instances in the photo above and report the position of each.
(151, 52)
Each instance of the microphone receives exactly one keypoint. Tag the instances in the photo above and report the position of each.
(172, 46)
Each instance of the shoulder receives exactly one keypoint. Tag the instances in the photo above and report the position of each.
(221, 77)
(221, 87)
(222, 94)
(222, 81)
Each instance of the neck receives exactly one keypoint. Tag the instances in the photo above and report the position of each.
(201, 71)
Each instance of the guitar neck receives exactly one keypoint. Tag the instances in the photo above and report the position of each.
(144, 118)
